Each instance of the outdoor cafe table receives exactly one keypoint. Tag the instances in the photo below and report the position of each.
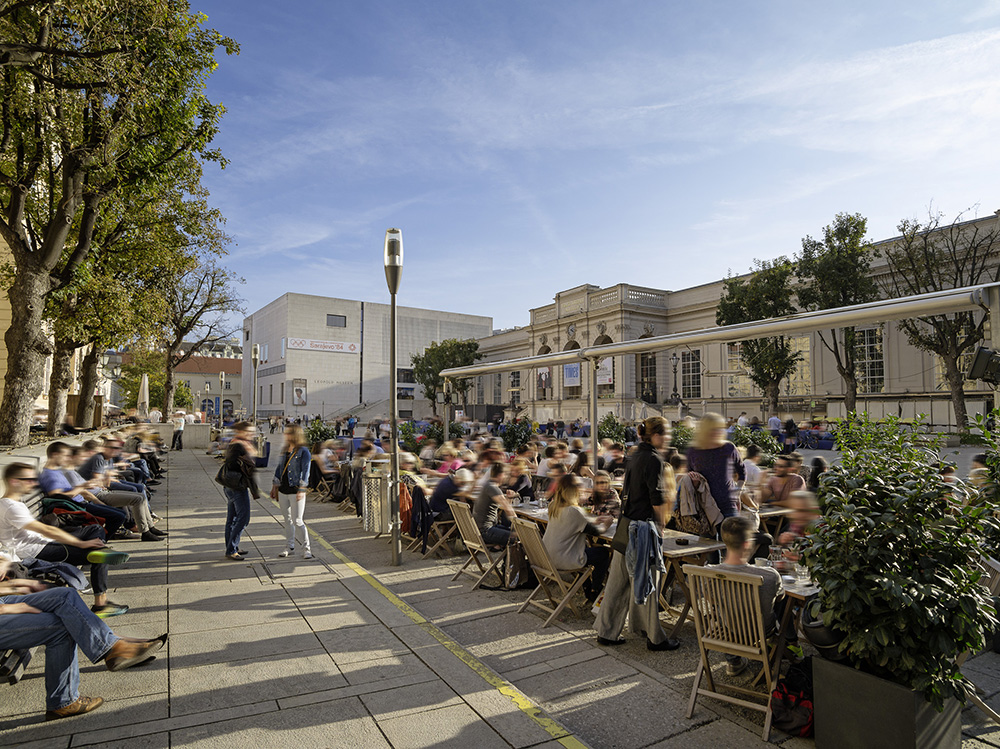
(775, 514)
(797, 595)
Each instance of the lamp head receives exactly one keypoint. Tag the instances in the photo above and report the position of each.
(255, 355)
(393, 259)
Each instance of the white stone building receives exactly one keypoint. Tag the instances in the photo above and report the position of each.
(327, 356)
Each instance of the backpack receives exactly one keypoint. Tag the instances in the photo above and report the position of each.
(791, 701)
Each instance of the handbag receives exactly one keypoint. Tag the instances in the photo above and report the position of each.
(285, 487)
(517, 571)
(229, 478)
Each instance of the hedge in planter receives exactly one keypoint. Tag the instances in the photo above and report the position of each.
(896, 558)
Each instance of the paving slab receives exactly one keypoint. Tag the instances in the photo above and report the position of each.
(416, 698)
(452, 727)
(242, 643)
(715, 734)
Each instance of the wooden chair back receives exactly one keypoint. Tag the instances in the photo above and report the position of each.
(728, 619)
(531, 538)
(991, 575)
(467, 527)
(560, 586)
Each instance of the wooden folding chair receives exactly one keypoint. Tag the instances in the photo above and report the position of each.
(559, 590)
(728, 619)
(324, 482)
(474, 544)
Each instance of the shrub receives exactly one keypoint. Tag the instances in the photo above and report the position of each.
(610, 428)
(682, 436)
(408, 437)
(318, 432)
(516, 435)
(896, 557)
(745, 436)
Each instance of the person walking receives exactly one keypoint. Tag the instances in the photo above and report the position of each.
(289, 486)
(718, 460)
(240, 459)
(177, 441)
(649, 491)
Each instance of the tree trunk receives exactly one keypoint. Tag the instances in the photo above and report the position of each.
(956, 383)
(59, 383)
(169, 390)
(850, 391)
(27, 348)
(771, 393)
(88, 384)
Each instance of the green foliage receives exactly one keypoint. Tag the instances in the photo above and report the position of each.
(516, 435)
(451, 352)
(408, 436)
(682, 437)
(837, 273)
(151, 363)
(765, 294)
(318, 431)
(745, 436)
(435, 431)
(611, 429)
(896, 557)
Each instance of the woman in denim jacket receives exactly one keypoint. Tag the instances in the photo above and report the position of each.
(294, 466)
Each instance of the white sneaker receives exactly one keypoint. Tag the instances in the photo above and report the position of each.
(307, 555)
(284, 553)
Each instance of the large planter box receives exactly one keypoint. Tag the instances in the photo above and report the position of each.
(857, 710)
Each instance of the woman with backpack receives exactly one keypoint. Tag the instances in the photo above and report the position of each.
(289, 486)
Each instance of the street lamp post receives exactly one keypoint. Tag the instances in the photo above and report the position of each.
(222, 385)
(197, 396)
(255, 360)
(675, 396)
(393, 257)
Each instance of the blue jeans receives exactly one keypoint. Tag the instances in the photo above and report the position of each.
(113, 517)
(237, 517)
(497, 535)
(129, 486)
(64, 624)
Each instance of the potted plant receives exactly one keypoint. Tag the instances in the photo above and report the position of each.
(896, 557)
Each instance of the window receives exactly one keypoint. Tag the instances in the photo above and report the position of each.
(515, 388)
(869, 359)
(690, 374)
(281, 397)
(480, 391)
(737, 386)
(497, 388)
(283, 347)
(336, 321)
(405, 375)
(270, 393)
(645, 384)
(606, 371)
(800, 381)
(265, 352)
(260, 398)
(229, 385)
(248, 334)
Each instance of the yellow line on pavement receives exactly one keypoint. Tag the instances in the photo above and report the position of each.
(504, 687)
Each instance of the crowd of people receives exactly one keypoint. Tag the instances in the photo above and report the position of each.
(95, 494)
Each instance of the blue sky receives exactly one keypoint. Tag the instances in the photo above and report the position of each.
(528, 147)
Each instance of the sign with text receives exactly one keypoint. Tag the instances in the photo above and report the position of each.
(606, 372)
(309, 344)
(571, 375)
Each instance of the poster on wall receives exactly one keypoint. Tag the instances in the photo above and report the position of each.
(299, 393)
(606, 372)
(543, 377)
(571, 375)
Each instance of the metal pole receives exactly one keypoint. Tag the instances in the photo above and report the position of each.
(447, 403)
(594, 364)
(394, 440)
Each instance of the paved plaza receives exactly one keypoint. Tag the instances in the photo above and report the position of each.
(347, 651)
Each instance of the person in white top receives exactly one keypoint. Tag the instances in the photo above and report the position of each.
(155, 416)
(744, 420)
(774, 424)
(178, 440)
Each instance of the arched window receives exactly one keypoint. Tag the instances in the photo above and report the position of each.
(572, 390)
(227, 408)
(605, 371)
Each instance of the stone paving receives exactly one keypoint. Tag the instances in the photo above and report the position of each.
(345, 650)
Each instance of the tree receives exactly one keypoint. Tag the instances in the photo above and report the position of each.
(153, 364)
(766, 293)
(114, 96)
(199, 302)
(451, 352)
(837, 273)
(930, 257)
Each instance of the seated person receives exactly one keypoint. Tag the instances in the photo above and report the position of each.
(23, 536)
(555, 473)
(566, 532)
(738, 534)
(605, 500)
(104, 460)
(58, 619)
(777, 489)
(806, 510)
(449, 463)
(427, 449)
(450, 487)
(55, 484)
(550, 460)
(518, 483)
(615, 460)
(492, 508)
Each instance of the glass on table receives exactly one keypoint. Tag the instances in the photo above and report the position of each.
(802, 575)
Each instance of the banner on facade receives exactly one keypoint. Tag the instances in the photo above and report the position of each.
(606, 372)
(309, 344)
(543, 377)
(571, 375)
(299, 393)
